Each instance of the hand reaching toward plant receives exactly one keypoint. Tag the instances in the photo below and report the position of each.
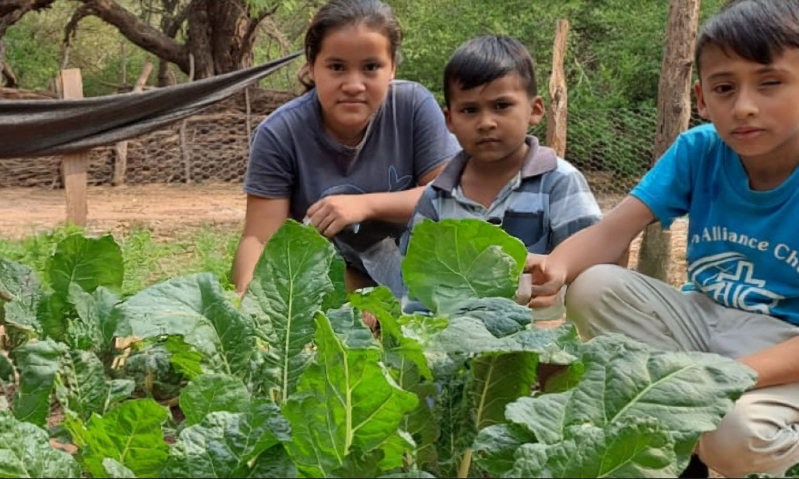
(546, 280)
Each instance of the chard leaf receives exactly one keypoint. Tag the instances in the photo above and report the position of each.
(386, 309)
(185, 359)
(116, 470)
(224, 444)
(87, 263)
(25, 451)
(338, 295)
(96, 313)
(118, 391)
(210, 393)
(630, 448)
(289, 285)
(129, 433)
(83, 332)
(38, 365)
(688, 393)
(467, 333)
(347, 408)
(455, 260)
(499, 379)
(81, 386)
(196, 308)
(20, 296)
(274, 462)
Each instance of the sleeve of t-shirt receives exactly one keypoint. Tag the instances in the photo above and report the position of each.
(433, 144)
(270, 173)
(572, 206)
(666, 188)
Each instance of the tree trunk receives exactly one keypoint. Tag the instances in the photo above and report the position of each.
(2, 60)
(674, 114)
(218, 37)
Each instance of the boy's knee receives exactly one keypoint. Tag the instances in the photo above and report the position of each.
(590, 287)
(748, 442)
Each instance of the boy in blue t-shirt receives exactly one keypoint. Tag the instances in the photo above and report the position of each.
(738, 182)
(503, 175)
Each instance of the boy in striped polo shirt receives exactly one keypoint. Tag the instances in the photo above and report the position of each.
(503, 175)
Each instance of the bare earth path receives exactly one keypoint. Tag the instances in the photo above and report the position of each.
(162, 208)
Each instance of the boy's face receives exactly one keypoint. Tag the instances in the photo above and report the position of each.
(755, 107)
(491, 121)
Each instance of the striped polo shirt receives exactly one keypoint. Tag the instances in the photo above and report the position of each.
(546, 202)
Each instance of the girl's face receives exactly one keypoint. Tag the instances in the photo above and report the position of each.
(352, 73)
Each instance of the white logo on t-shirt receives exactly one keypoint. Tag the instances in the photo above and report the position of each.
(730, 279)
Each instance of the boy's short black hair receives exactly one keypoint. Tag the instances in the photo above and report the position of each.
(484, 59)
(756, 30)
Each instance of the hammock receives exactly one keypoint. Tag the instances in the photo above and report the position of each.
(55, 127)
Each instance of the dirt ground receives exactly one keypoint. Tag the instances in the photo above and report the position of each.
(162, 208)
(167, 208)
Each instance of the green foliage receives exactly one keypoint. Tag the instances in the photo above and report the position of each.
(455, 394)
(25, 451)
(451, 261)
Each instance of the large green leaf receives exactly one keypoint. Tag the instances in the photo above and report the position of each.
(689, 393)
(87, 262)
(116, 470)
(211, 393)
(38, 364)
(289, 285)
(81, 386)
(338, 295)
(129, 433)
(469, 335)
(274, 462)
(20, 296)
(347, 408)
(25, 451)
(225, 444)
(499, 379)
(630, 448)
(196, 308)
(454, 260)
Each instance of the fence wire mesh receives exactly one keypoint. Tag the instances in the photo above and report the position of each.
(613, 148)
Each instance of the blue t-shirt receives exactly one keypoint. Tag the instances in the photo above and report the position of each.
(743, 245)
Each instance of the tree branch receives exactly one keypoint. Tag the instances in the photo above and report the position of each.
(12, 10)
(139, 32)
(72, 26)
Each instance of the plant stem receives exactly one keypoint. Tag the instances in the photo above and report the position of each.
(466, 464)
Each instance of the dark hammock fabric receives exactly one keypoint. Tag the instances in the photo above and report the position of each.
(55, 127)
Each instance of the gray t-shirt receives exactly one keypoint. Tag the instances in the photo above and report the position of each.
(292, 156)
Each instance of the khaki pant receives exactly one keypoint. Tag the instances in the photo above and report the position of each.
(761, 435)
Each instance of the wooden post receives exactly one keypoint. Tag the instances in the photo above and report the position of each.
(74, 166)
(674, 114)
(558, 93)
(121, 148)
(184, 149)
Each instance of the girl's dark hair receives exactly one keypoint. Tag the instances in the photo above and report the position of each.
(484, 59)
(338, 14)
(756, 30)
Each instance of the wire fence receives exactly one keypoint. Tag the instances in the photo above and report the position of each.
(613, 149)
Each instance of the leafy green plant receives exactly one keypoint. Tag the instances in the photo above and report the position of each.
(288, 381)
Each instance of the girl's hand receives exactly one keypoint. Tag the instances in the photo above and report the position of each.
(332, 214)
